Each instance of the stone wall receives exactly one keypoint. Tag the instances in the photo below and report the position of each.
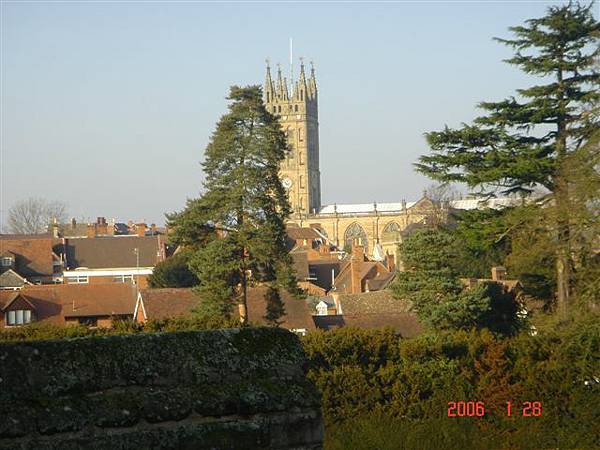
(222, 389)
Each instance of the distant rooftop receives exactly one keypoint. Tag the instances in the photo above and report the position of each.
(365, 208)
(369, 208)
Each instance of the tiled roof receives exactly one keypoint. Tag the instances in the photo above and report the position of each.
(169, 302)
(302, 233)
(396, 207)
(113, 252)
(363, 208)
(381, 281)
(373, 310)
(163, 303)
(11, 279)
(300, 261)
(99, 300)
(55, 302)
(33, 253)
(377, 302)
(298, 314)
(475, 203)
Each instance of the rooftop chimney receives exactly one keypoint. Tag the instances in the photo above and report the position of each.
(498, 273)
(102, 226)
(140, 229)
(55, 229)
(391, 262)
(356, 262)
(91, 230)
(73, 223)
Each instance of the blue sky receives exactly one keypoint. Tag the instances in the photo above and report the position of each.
(109, 106)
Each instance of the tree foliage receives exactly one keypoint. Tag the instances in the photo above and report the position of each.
(173, 272)
(34, 215)
(431, 281)
(236, 229)
(524, 142)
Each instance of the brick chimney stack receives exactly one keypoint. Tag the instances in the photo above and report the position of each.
(55, 228)
(498, 273)
(391, 262)
(140, 229)
(101, 226)
(111, 227)
(356, 263)
(91, 230)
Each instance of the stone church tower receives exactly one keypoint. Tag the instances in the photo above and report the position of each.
(297, 111)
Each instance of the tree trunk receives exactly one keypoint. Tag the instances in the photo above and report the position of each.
(561, 197)
(243, 305)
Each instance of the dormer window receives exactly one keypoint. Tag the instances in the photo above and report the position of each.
(17, 317)
(6, 261)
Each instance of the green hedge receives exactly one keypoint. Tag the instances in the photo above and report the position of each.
(387, 393)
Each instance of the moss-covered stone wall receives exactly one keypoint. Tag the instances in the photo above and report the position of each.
(223, 389)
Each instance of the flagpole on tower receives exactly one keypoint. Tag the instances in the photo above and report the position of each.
(292, 66)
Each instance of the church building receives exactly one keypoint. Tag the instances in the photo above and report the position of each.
(376, 226)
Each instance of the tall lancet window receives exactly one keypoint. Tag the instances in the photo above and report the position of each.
(355, 234)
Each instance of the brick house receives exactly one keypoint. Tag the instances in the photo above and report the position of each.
(159, 304)
(370, 310)
(112, 259)
(361, 275)
(32, 257)
(64, 304)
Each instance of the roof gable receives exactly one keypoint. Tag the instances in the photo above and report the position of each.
(11, 279)
(33, 254)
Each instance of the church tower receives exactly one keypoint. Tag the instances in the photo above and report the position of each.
(297, 112)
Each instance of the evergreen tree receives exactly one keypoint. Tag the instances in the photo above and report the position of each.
(173, 272)
(431, 282)
(523, 143)
(236, 229)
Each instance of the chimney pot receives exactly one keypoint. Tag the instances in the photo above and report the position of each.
(498, 273)
(140, 229)
(91, 230)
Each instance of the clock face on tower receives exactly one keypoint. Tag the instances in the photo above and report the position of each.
(287, 183)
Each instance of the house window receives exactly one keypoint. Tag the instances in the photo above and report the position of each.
(80, 279)
(296, 108)
(123, 279)
(17, 317)
(7, 261)
(88, 321)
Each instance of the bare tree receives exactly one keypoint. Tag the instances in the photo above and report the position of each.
(442, 192)
(441, 195)
(33, 215)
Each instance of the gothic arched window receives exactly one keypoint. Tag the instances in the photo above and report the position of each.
(355, 233)
(391, 233)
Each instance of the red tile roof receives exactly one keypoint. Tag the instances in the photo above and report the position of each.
(53, 303)
(33, 253)
(114, 252)
(163, 303)
(170, 302)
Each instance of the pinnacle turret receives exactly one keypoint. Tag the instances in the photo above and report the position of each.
(282, 89)
(269, 89)
(305, 88)
(312, 82)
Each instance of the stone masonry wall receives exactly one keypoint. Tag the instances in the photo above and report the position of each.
(222, 389)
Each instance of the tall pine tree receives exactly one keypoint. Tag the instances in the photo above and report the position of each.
(522, 143)
(236, 229)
